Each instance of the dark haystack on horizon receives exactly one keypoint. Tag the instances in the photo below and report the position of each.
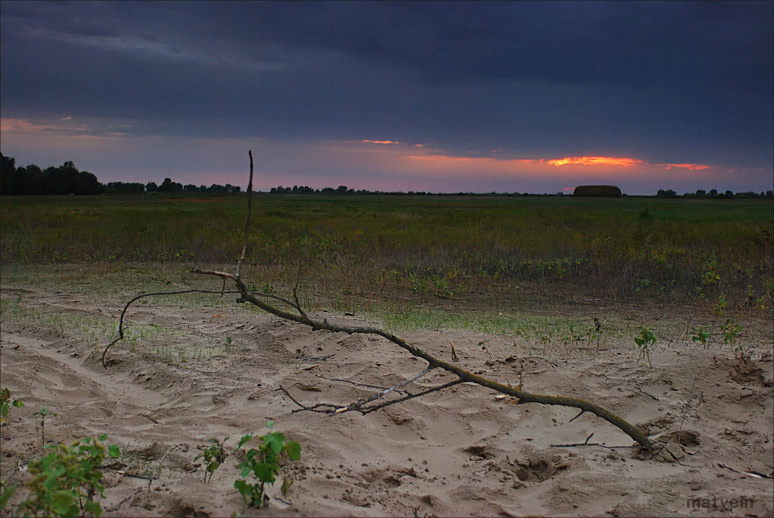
(608, 191)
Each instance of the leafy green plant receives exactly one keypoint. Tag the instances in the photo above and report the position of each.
(590, 334)
(645, 340)
(213, 456)
(730, 330)
(701, 335)
(575, 336)
(44, 413)
(5, 406)
(720, 305)
(150, 472)
(66, 481)
(262, 464)
(6, 492)
(710, 277)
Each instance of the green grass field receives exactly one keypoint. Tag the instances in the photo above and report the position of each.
(719, 251)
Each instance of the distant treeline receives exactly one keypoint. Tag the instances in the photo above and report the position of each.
(168, 186)
(713, 193)
(64, 179)
(343, 189)
(67, 179)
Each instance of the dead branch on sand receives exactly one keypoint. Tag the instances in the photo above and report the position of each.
(367, 405)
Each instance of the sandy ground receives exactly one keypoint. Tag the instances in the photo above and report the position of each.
(460, 452)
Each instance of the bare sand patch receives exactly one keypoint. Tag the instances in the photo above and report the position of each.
(460, 452)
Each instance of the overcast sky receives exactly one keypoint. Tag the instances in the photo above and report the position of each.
(437, 96)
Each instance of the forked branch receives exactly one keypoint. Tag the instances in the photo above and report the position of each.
(433, 362)
(120, 332)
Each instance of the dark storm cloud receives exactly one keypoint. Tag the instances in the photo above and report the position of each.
(673, 80)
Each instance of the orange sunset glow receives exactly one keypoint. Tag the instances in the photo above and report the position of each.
(380, 141)
(27, 126)
(692, 167)
(567, 171)
(595, 160)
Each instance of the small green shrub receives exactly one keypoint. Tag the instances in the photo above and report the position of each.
(710, 277)
(5, 406)
(262, 464)
(701, 335)
(730, 330)
(6, 492)
(645, 341)
(66, 481)
(720, 305)
(213, 456)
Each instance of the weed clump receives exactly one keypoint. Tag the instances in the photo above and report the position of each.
(68, 480)
(645, 340)
(261, 465)
(5, 407)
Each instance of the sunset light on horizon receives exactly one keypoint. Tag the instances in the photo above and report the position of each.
(692, 167)
(380, 142)
(595, 160)
(472, 97)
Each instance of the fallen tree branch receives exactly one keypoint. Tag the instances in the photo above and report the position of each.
(749, 472)
(374, 408)
(577, 416)
(433, 362)
(587, 443)
(358, 384)
(361, 403)
(404, 382)
(314, 408)
(221, 292)
(120, 332)
(651, 396)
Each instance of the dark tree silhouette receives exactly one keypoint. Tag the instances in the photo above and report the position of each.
(169, 186)
(7, 174)
(125, 187)
(65, 179)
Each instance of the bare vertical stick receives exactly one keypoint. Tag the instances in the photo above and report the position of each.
(249, 212)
